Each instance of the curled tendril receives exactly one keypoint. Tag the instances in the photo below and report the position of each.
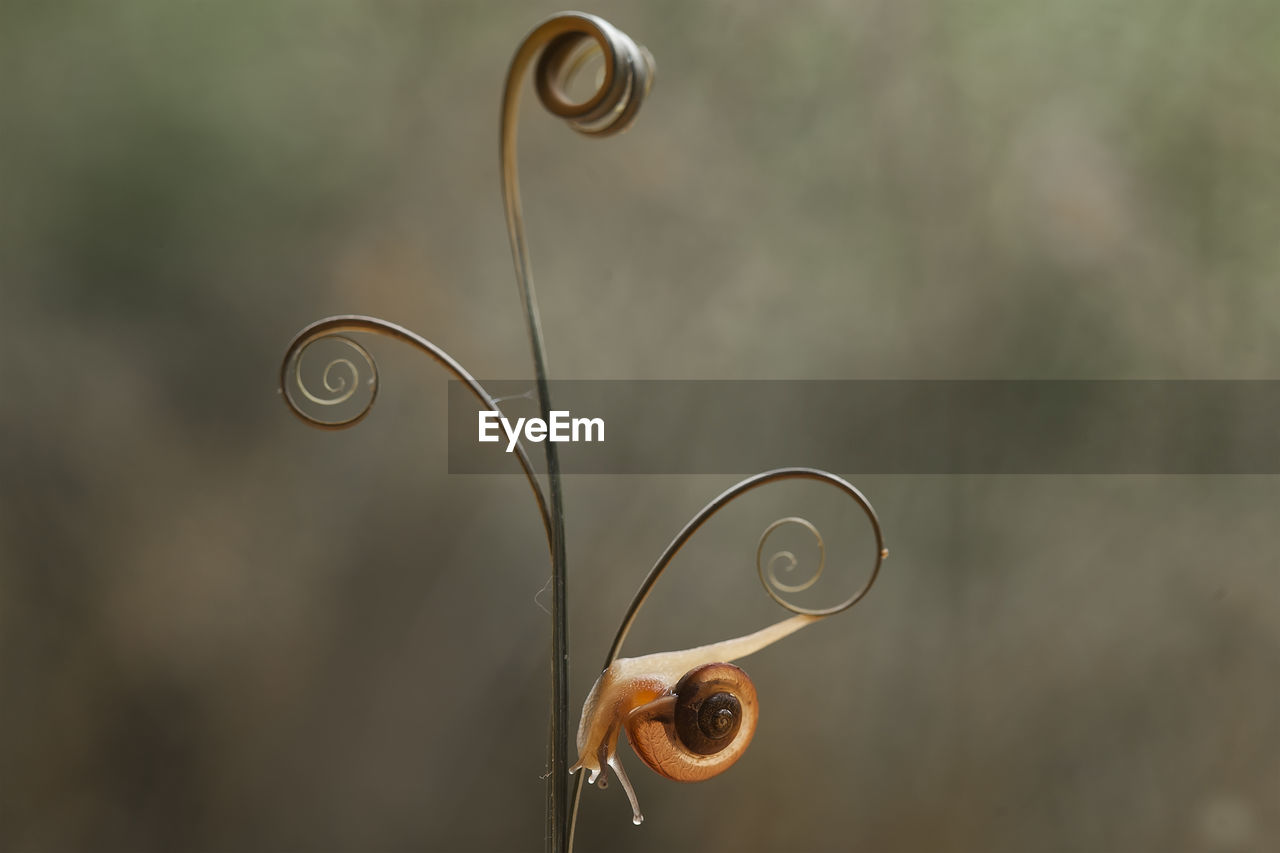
(727, 497)
(563, 44)
(343, 387)
(768, 571)
(626, 78)
(340, 380)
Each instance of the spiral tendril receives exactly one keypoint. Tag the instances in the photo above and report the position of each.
(625, 79)
(336, 328)
(768, 572)
(764, 567)
(341, 379)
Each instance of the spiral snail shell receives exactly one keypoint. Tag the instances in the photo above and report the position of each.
(701, 728)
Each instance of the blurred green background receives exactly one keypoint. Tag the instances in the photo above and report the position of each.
(223, 631)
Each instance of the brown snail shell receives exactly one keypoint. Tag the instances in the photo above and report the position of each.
(703, 728)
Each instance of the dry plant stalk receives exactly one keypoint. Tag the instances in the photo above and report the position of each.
(691, 713)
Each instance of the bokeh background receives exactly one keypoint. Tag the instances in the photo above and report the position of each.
(223, 631)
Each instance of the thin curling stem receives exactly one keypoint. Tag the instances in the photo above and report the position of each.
(557, 789)
(628, 69)
(725, 498)
(339, 325)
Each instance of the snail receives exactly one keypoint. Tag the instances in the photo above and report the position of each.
(688, 714)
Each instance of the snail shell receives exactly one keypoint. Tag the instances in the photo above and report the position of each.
(701, 728)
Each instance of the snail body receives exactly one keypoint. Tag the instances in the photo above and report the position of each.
(688, 714)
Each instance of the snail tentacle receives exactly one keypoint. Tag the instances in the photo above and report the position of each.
(636, 817)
